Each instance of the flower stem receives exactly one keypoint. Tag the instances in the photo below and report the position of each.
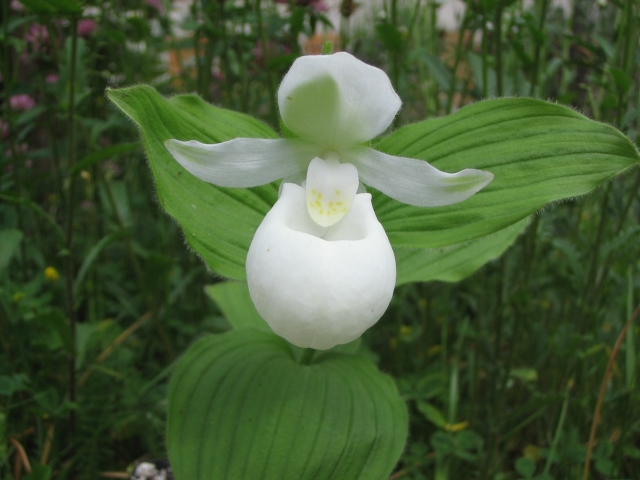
(307, 356)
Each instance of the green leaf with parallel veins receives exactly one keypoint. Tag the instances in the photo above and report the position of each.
(218, 223)
(253, 412)
(538, 151)
(454, 263)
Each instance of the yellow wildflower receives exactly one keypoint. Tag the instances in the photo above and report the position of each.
(456, 427)
(51, 274)
(405, 330)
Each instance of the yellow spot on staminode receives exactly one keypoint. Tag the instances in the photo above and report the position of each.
(328, 213)
(314, 191)
(319, 196)
(339, 204)
(337, 192)
(321, 212)
(330, 204)
(318, 204)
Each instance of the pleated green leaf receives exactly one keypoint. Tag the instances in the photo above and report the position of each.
(538, 151)
(240, 407)
(218, 223)
(453, 264)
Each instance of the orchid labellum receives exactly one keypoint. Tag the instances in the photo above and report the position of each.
(320, 268)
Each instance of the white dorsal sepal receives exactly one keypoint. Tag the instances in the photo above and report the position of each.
(331, 187)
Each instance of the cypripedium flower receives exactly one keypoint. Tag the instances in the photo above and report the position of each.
(320, 268)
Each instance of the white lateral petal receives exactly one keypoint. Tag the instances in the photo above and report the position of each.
(243, 162)
(331, 187)
(319, 292)
(337, 100)
(415, 182)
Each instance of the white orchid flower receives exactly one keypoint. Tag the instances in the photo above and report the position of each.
(320, 268)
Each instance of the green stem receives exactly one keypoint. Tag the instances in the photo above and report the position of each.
(485, 67)
(197, 35)
(265, 58)
(591, 276)
(454, 382)
(622, 221)
(498, 394)
(307, 356)
(129, 244)
(497, 24)
(626, 35)
(536, 54)
(244, 77)
(344, 30)
(414, 17)
(433, 45)
(456, 63)
(9, 74)
(566, 46)
(395, 56)
(558, 434)
(630, 351)
(199, 68)
(627, 206)
(224, 56)
(69, 227)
